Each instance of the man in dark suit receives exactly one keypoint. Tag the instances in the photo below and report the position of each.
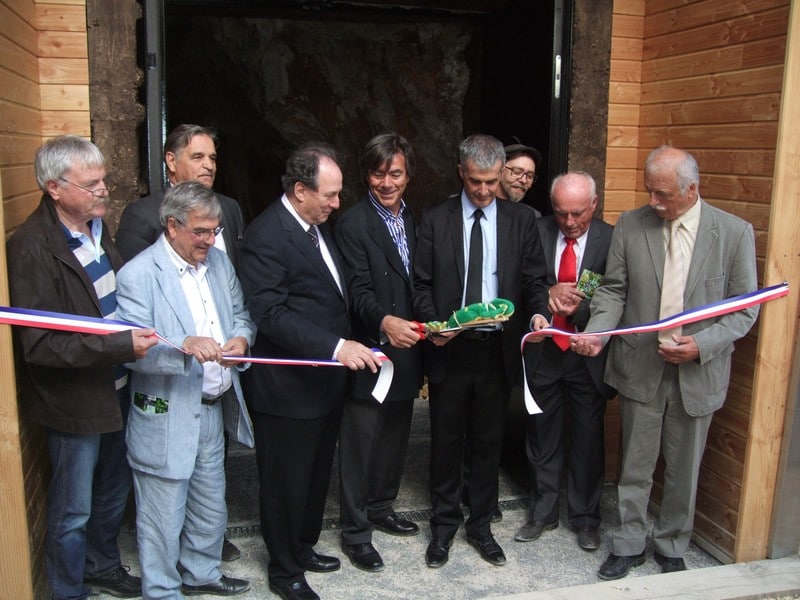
(190, 153)
(561, 380)
(296, 293)
(377, 240)
(676, 253)
(473, 248)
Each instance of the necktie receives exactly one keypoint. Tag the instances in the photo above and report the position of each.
(474, 291)
(567, 273)
(312, 233)
(673, 283)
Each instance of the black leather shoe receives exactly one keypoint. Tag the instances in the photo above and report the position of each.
(394, 524)
(589, 538)
(225, 586)
(489, 549)
(616, 567)
(669, 564)
(229, 551)
(364, 556)
(533, 530)
(438, 552)
(497, 516)
(299, 590)
(319, 563)
(117, 583)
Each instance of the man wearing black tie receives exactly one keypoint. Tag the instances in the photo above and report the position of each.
(473, 248)
(295, 290)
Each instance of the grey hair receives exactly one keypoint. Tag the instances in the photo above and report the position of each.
(186, 197)
(589, 179)
(484, 151)
(57, 156)
(686, 170)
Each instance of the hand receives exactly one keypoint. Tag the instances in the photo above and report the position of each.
(564, 298)
(538, 322)
(357, 356)
(684, 349)
(401, 333)
(586, 345)
(203, 348)
(143, 340)
(440, 339)
(233, 347)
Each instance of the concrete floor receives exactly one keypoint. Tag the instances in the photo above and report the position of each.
(553, 563)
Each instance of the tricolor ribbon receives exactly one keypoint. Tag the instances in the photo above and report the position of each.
(707, 311)
(82, 324)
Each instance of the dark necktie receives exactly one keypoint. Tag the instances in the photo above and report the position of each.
(312, 233)
(567, 273)
(474, 291)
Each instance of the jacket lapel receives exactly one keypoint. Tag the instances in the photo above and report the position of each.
(170, 287)
(707, 236)
(377, 230)
(456, 225)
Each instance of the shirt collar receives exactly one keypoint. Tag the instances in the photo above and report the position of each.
(181, 265)
(467, 208)
(384, 212)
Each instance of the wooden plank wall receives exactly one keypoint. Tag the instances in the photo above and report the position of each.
(44, 92)
(709, 81)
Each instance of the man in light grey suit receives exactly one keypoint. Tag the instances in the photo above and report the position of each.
(187, 290)
(670, 383)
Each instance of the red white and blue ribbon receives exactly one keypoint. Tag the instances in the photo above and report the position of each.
(82, 324)
(707, 311)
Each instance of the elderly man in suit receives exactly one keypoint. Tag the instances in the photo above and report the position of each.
(296, 291)
(184, 396)
(676, 253)
(562, 381)
(377, 240)
(473, 248)
(190, 154)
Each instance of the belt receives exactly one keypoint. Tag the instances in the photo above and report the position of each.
(212, 401)
(478, 335)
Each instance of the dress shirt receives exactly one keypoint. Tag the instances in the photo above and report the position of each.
(397, 228)
(579, 248)
(216, 378)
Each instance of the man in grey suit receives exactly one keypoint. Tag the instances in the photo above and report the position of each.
(186, 289)
(561, 380)
(669, 382)
(190, 153)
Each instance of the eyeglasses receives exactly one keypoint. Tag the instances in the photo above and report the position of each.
(96, 192)
(518, 173)
(202, 234)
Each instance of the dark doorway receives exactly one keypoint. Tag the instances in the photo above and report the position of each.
(271, 75)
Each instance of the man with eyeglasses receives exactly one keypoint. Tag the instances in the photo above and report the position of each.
(190, 153)
(187, 290)
(519, 173)
(74, 385)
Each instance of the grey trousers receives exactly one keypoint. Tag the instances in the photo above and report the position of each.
(683, 441)
(183, 520)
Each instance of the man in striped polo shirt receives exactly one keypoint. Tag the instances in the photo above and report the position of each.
(62, 259)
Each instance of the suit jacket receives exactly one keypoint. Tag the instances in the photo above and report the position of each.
(439, 275)
(140, 226)
(594, 259)
(723, 265)
(379, 285)
(149, 293)
(299, 312)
